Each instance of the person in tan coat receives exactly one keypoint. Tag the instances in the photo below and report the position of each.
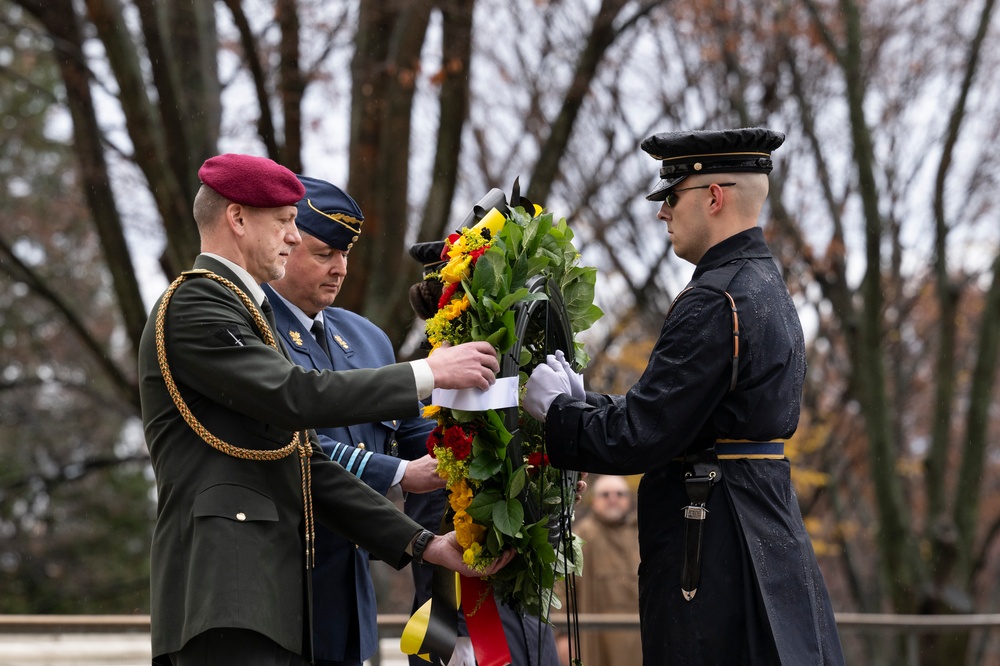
(610, 580)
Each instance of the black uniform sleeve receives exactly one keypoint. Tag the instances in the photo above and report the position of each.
(687, 376)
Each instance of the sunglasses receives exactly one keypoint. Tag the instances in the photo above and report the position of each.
(672, 195)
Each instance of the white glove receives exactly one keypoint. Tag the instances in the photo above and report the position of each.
(575, 378)
(544, 385)
(463, 655)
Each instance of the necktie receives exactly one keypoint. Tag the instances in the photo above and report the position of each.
(320, 333)
(265, 307)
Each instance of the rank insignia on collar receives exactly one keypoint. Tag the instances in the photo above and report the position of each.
(296, 338)
(342, 342)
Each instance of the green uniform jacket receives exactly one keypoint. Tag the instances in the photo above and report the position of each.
(228, 548)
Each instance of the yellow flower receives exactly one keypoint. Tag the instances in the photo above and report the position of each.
(471, 553)
(460, 497)
(466, 531)
(455, 308)
(442, 326)
(451, 470)
(431, 411)
(457, 268)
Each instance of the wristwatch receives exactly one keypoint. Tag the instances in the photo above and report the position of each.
(419, 544)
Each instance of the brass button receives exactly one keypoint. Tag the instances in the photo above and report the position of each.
(394, 422)
(241, 516)
(361, 446)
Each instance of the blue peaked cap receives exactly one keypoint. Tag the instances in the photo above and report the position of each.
(328, 213)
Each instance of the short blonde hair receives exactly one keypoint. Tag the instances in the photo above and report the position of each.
(750, 193)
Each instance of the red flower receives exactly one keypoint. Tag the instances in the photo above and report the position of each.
(459, 441)
(434, 439)
(538, 459)
(452, 239)
(478, 252)
(447, 294)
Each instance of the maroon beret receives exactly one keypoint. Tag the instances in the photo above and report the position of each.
(251, 180)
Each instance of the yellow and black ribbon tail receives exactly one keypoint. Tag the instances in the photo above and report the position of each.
(433, 629)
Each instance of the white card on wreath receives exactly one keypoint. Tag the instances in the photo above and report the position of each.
(501, 395)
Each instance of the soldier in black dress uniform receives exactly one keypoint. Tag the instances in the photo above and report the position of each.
(727, 573)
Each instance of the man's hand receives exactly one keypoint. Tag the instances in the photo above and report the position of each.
(421, 476)
(469, 365)
(547, 381)
(445, 551)
(575, 378)
(581, 487)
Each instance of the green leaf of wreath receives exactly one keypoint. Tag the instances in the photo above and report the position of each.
(508, 517)
(481, 507)
(517, 481)
(489, 274)
(484, 466)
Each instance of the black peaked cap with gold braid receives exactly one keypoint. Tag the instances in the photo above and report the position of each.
(329, 214)
(695, 152)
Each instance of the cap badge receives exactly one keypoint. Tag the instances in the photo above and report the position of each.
(296, 338)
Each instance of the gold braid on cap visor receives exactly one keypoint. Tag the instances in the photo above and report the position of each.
(342, 219)
(236, 452)
(741, 153)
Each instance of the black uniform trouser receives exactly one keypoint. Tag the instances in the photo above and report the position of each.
(725, 624)
(217, 647)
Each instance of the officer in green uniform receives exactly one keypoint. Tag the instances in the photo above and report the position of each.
(727, 572)
(240, 479)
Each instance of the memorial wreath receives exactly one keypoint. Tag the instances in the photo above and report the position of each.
(502, 491)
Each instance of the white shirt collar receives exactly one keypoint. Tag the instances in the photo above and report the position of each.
(250, 284)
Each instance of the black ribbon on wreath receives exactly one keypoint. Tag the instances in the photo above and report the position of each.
(541, 327)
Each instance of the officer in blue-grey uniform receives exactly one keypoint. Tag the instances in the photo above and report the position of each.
(727, 573)
(381, 454)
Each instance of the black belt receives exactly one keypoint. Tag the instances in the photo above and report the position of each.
(702, 470)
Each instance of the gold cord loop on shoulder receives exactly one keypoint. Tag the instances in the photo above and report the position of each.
(203, 432)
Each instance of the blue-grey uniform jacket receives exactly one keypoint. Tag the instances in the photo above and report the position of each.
(344, 608)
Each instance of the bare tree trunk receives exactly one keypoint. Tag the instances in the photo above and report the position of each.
(967, 501)
(291, 85)
(386, 63)
(944, 539)
(265, 122)
(895, 539)
(181, 45)
(60, 19)
(146, 134)
(454, 111)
